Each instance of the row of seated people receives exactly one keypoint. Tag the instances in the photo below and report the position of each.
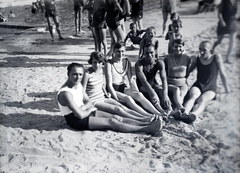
(108, 103)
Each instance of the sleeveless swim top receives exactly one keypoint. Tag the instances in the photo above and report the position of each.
(77, 97)
(207, 75)
(119, 77)
(94, 87)
(149, 74)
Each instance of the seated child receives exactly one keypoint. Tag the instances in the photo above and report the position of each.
(148, 39)
(174, 34)
(135, 36)
(174, 16)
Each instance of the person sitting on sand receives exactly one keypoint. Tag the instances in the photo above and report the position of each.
(148, 39)
(146, 70)
(173, 34)
(80, 114)
(177, 69)
(93, 84)
(117, 69)
(204, 89)
(135, 36)
(50, 11)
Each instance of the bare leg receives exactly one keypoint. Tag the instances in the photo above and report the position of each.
(176, 96)
(165, 16)
(202, 101)
(231, 45)
(50, 28)
(96, 39)
(132, 104)
(118, 110)
(75, 22)
(194, 93)
(113, 37)
(216, 43)
(55, 19)
(123, 127)
(139, 21)
(119, 33)
(122, 24)
(146, 104)
(103, 39)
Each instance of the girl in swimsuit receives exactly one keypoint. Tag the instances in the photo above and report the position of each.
(117, 70)
(80, 114)
(204, 89)
(176, 65)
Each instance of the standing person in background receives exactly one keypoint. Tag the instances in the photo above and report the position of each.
(137, 13)
(227, 25)
(50, 11)
(113, 9)
(100, 26)
(168, 7)
(78, 7)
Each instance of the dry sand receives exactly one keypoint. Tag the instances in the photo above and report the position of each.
(35, 138)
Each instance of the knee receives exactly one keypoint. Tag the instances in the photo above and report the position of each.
(176, 90)
(57, 25)
(129, 99)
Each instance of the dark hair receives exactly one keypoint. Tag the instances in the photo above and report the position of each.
(97, 55)
(177, 22)
(118, 45)
(131, 24)
(178, 41)
(70, 66)
(174, 14)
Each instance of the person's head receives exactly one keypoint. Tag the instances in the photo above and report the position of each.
(176, 25)
(133, 27)
(75, 72)
(151, 31)
(178, 45)
(118, 50)
(205, 49)
(96, 60)
(149, 54)
(174, 16)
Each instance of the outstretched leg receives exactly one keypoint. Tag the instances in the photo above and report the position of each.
(146, 104)
(202, 101)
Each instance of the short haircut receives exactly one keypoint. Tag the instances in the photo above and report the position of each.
(151, 28)
(97, 55)
(132, 24)
(118, 45)
(70, 66)
(178, 41)
(174, 14)
(177, 22)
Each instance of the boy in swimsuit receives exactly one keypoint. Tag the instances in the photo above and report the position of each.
(78, 8)
(50, 11)
(204, 89)
(135, 36)
(146, 69)
(80, 114)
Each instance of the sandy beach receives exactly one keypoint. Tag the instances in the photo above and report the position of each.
(34, 137)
